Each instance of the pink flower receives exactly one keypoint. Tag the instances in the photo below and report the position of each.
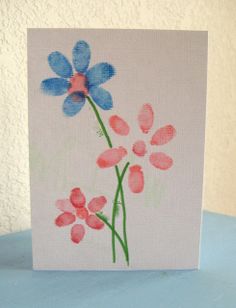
(74, 208)
(161, 136)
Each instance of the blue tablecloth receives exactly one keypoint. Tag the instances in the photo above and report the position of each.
(214, 285)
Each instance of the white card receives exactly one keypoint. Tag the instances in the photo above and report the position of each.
(116, 123)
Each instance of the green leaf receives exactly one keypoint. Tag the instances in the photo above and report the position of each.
(117, 208)
(100, 132)
(102, 215)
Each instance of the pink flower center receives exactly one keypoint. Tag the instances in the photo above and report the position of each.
(78, 84)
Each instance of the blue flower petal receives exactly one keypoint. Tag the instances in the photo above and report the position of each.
(100, 73)
(81, 56)
(55, 86)
(101, 97)
(73, 103)
(60, 65)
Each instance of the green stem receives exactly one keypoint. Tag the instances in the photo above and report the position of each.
(100, 121)
(103, 129)
(124, 224)
(113, 230)
(119, 188)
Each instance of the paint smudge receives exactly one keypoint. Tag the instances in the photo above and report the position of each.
(145, 118)
(96, 204)
(73, 103)
(119, 125)
(111, 157)
(101, 97)
(163, 135)
(100, 73)
(94, 222)
(82, 213)
(60, 65)
(65, 219)
(55, 86)
(136, 179)
(77, 233)
(77, 198)
(65, 205)
(139, 148)
(81, 56)
(161, 160)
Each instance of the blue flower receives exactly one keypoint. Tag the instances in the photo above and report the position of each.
(80, 84)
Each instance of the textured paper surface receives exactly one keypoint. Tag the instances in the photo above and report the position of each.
(166, 69)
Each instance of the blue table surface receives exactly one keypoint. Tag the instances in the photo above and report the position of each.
(214, 285)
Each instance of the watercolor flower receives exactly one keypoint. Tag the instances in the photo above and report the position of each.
(75, 208)
(81, 83)
(157, 159)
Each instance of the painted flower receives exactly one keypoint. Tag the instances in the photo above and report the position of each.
(75, 208)
(80, 83)
(157, 159)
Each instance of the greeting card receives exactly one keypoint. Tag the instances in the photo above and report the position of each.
(116, 125)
